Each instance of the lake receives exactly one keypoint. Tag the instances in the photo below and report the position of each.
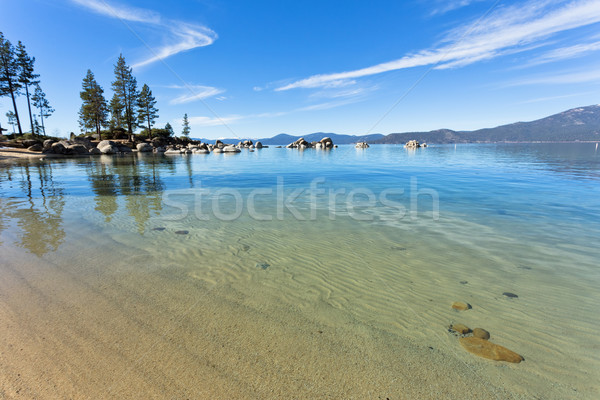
(282, 273)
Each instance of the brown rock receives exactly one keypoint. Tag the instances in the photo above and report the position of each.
(458, 305)
(481, 333)
(489, 350)
(460, 328)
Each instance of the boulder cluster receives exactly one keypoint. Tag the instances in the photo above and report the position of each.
(413, 144)
(325, 143)
(168, 146)
(362, 145)
(476, 341)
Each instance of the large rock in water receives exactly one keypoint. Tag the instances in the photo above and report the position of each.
(486, 349)
(57, 148)
(412, 144)
(144, 147)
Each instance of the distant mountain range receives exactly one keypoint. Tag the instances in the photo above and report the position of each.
(577, 124)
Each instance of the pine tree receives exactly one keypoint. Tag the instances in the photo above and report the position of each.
(94, 111)
(169, 129)
(12, 120)
(9, 74)
(147, 112)
(42, 104)
(27, 77)
(125, 88)
(186, 126)
(37, 129)
(116, 112)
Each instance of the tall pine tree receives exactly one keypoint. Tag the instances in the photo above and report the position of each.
(11, 119)
(94, 111)
(125, 88)
(27, 77)
(186, 126)
(147, 112)
(116, 112)
(42, 104)
(169, 130)
(9, 75)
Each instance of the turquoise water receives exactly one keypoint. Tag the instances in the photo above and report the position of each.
(373, 240)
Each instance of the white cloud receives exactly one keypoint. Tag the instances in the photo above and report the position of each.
(120, 11)
(444, 6)
(564, 53)
(511, 29)
(181, 35)
(587, 76)
(194, 93)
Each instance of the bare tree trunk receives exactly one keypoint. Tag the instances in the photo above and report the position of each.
(29, 106)
(42, 118)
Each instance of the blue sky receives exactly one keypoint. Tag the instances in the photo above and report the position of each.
(259, 68)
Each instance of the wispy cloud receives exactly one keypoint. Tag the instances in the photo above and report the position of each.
(510, 29)
(564, 53)
(182, 36)
(194, 93)
(587, 76)
(444, 6)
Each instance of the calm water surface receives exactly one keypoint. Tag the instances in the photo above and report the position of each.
(376, 242)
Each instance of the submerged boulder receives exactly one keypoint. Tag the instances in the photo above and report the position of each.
(486, 349)
(459, 305)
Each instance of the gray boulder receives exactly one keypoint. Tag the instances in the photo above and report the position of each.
(85, 142)
(76, 149)
(36, 147)
(108, 149)
(30, 142)
(144, 147)
(57, 148)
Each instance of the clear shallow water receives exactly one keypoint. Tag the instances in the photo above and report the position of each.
(266, 237)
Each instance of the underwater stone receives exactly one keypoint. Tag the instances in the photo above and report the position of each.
(481, 333)
(460, 328)
(489, 350)
(459, 305)
(262, 265)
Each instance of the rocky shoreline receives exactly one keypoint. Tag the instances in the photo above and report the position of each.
(87, 146)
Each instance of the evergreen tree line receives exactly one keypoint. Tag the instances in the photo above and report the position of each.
(127, 110)
(18, 77)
